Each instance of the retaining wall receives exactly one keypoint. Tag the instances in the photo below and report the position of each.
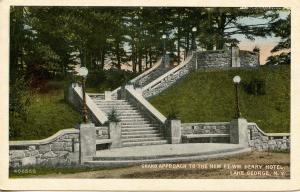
(249, 59)
(262, 141)
(214, 59)
(61, 148)
(169, 78)
(258, 140)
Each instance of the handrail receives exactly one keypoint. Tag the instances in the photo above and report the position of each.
(44, 141)
(100, 115)
(175, 69)
(156, 65)
(139, 97)
(269, 134)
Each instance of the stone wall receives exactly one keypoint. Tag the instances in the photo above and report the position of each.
(61, 148)
(151, 76)
(214, 59)
(258, 140)
(249, 59)
(205, 128)
(169, 78)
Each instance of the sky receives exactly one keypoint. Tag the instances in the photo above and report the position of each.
(265, 44)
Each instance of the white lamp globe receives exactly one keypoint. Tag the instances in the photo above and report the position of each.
(83, 71)
(194, 29)
(236, 79)
(164, 36)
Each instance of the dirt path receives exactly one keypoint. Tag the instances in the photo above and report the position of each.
(253, 165)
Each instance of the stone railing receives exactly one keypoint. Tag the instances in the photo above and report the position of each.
(60, 148)
(135, 97)
(169, 78)
(262, 141)
(96, 114)
(140, 79)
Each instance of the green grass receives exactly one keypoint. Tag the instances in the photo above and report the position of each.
(209, 97)
(47, 114)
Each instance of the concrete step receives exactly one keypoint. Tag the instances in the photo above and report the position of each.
(131, 133)
(142, 143)
(129, 119)
(134, 122)
(137, 125)
(130, 160)
(138, 139)
(141, 135)
(112, 101)
(116, 107)
(138, 129)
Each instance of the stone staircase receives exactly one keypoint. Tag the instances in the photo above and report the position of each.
(136, 129)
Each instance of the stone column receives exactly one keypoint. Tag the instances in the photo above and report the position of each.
(239, 132)
(235, 57)
(174, 131)
(87, 142)
(115, 134)
(107, 95)
(71, 97)
(166, 61)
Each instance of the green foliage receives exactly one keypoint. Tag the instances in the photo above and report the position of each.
(209, 97)
(108, 79)
(172, 113)
(113, 116)
(282, 53)
(47, 114)
(19, 102)
(257, 87)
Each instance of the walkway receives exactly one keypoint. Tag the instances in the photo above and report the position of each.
(165, 153)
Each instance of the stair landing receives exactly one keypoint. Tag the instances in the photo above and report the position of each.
(165, 153)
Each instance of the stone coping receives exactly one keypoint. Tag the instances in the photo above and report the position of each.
(178, 67)
(146, 104)
(156, 65)
(99, 114)
(270, 134)
(44, 141)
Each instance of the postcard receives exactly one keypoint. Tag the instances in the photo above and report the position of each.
(161, 96)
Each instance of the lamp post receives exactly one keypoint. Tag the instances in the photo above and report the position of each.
(194, 46)
(83, 72)
(236, 81)
(164, 41)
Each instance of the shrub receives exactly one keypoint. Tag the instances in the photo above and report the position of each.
(173, 113)
(113, 116)
(258, 87)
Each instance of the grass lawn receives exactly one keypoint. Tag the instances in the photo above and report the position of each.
(48, 114)
(209, 97)
(188, 172)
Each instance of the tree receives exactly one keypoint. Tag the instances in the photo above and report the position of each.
(282, 29)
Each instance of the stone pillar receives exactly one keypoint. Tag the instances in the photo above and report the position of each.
(166, 60)
(174, 131)
(107, 95)
(71, 97)
(115, 134)
(87, 142)
(239, 132)
(235, 57)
